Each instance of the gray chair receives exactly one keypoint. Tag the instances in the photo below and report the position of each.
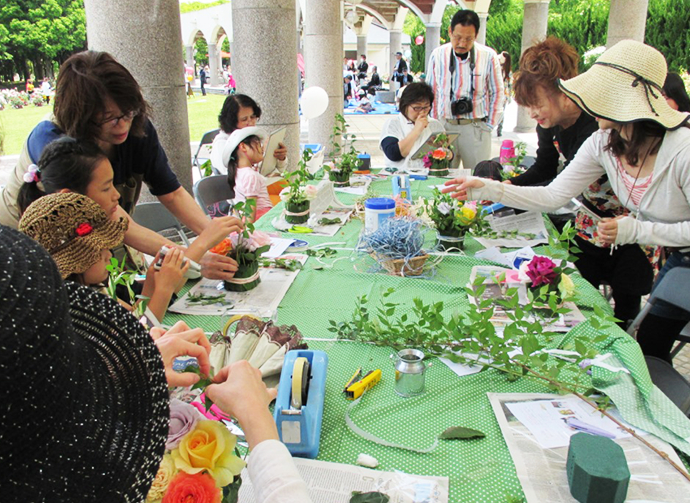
(670, 382)
(156, 217)
(203, 153)
(211, 190)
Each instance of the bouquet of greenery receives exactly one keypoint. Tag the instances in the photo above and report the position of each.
(438, 160)
(344, 163)
(297, 195)
(246, 248)
(453, 219)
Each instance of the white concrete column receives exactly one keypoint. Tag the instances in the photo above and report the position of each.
(213, 66)
(432, 41)
(189, 55)
(627, 19)
(323, 56)
(151, 52)
(481, 36)
(265, 64)
(534, 26)
(361, 45)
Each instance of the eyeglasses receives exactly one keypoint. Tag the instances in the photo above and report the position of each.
(463, 39)
(422, 109)
(113, 122)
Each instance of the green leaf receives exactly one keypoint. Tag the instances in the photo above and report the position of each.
(371, 497)
(460, 432)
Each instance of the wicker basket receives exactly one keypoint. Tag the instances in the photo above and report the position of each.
(414, 266)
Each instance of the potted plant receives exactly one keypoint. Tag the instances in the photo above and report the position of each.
(438, 160)
(548, 280)
(343, 163)
(246, 249)
(297, 195)
(453, 219)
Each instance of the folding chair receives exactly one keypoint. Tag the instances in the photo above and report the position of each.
(203, 153)
(156, 217)
(670, 382)
(211, 190)
(674, 290)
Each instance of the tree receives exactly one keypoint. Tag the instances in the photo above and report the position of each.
(201, 52)
(667, 31)
(36, 34)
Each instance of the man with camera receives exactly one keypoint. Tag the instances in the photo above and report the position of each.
(468, 89)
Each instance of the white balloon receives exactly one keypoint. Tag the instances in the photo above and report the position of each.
(314, 102)
(408, 55)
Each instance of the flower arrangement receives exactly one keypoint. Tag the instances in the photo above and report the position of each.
(201, 462)
(547, 279)
(246, 248)
(344, 163)
(453, 219)
(438, 160)
(514, 167)
(297, 195)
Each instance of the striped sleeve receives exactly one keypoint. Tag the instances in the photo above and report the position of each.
(494, 89)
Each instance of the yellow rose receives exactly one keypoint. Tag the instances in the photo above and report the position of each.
(566, 287)
(165, 474)
(209, 447)
(468, 212)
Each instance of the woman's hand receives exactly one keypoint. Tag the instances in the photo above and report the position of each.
(458, 187)
(421, 122)
(607, 230)
(171, 272)
(214, 266)
(178, 342)
(217, 230)
(281, 152)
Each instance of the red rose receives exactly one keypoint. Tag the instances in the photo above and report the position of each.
(84, 229)
(198, 488)
(541, 271)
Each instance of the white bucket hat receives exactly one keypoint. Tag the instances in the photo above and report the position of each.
(624, 85)
(237, 137)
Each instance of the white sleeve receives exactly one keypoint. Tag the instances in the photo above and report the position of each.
(274, 475)
(582, 171)
(631, 230)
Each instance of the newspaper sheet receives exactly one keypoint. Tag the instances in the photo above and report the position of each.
(358, 186)
(262, 301)
(530, 222)
(331, 229)
(495, 290)
(334, 483)
(542, 472)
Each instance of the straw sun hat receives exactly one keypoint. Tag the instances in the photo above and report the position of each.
(624, 85)
(83, 396)
(73, 228)
(237, 137)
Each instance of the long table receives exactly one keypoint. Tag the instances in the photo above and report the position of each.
(479, 470)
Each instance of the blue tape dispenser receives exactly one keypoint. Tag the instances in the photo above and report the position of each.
(299, 406)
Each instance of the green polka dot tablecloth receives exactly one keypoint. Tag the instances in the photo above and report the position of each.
(479, 470)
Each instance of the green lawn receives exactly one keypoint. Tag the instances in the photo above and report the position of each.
(17, 124)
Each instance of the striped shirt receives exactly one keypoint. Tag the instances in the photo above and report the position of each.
(488, 83)
(635, 187)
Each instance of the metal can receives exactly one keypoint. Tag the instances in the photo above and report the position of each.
(409, 372)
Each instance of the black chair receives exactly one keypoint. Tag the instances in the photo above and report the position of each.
(203, 153)
(211, 190)
(156, 217)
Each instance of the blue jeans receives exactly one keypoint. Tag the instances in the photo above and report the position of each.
(664, 309)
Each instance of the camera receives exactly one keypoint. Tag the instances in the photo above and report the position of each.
(461, 106)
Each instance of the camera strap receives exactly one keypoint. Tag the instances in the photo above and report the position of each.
(452, 72)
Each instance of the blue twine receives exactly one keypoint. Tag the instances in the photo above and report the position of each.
(397, 238)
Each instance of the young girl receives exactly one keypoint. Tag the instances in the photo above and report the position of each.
(241, 153)
(69, 165)
(79, 236)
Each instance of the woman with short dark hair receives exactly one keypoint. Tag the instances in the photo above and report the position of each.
(403, 135)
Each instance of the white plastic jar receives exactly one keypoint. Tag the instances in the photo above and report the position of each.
(376, 211)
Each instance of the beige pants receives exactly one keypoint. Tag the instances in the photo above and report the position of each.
(472, 145)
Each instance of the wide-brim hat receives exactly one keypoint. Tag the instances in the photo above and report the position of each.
(83, 396)
(237, 137)
(624, 85)
(73, 228)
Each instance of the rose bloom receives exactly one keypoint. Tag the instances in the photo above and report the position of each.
(311, 191)
(165, 474)
(439, 154)
(541, 271)
(426, 160)
(209, 448)
(183, 419)
(223, 247)
(468, 213)
(199, 488)
(566, 287)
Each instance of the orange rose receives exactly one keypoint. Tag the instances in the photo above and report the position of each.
(198, 488)
(223, 247)
(439, 154)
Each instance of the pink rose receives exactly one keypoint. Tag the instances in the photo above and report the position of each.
(426, 160)
(311, 191)
(541, 271)
(259, 239)
(183, 419)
